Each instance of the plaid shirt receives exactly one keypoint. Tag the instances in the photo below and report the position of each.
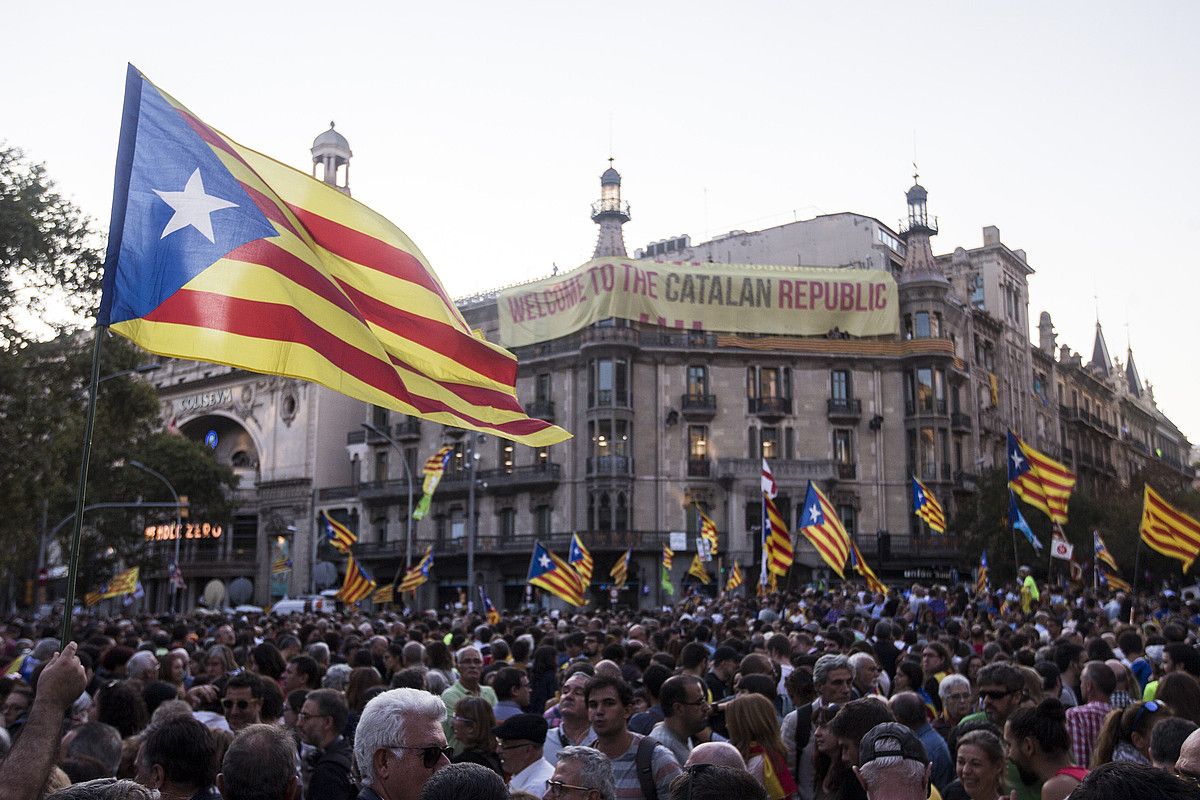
(1084, 723)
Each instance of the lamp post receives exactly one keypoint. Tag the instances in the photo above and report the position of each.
(408, 477)
(473, 523)
(178, 520)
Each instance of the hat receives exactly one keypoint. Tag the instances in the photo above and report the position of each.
(522, 726)
(891, 739)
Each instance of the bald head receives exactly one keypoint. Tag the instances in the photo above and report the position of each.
(1189, 755)
(607, 667)
(719, 754)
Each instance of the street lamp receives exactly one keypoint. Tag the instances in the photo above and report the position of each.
(140, 369)
(178, 520)
(473, 530)
(408, 477)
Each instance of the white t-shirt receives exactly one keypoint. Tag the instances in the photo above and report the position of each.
(533, 778)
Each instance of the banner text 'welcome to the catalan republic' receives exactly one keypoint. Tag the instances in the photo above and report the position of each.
(734, 298)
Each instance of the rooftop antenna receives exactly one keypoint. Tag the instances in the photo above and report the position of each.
(915, 171)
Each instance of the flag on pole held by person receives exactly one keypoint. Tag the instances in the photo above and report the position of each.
(489, 609)
(780, 553)
(218, 253)
(735, 577)
(1102, 553)
(1168, 530)
(435, 467)
(548, 571)
(926, 506)
(1039, 480)
(620, 570)
(338, 535)
(667, 559)
(1111, 579)
(708, 530)
(384, 594)
(1060, 548)
(821, 526)
(580, 558)
(860, 565)
(769, 490)
(357, 585)
(418, 574)
(981, 574)
(124, 582)
(697, 570)
(1017, 522)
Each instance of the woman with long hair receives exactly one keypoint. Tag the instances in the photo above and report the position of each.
(361, 679)
(754, 731)
(1126, 733)
(542, 678)
(827, 756)
(980, 766)
(1181, 692)
(265, 660)
(441, 662)
(472, 722)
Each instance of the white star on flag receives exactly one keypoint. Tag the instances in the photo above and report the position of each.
(920, 496)
(192, 207)
(814, 512)
(1016, 459)
(545, 562)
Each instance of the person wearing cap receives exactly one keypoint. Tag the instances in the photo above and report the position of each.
(521, 738)
(892, 764)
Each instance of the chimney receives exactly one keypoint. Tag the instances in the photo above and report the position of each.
(991, 235)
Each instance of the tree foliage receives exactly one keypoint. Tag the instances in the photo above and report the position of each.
(46, 248)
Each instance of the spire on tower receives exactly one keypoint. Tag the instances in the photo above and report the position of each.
(1132, 379)
(1101, 360)
(610, 214)
(332, 153)
(918, 259)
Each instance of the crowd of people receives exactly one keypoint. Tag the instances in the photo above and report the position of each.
(820, 695)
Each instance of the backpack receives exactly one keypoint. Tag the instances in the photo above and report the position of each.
(803, 733)
(644, 763)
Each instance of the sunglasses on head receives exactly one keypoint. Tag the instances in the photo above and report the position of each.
(430, 755)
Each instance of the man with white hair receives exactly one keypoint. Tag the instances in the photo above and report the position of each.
(470, 670)
(142, 666)
(892, 764)
(956, 694)
(581, 770)
(866, 673)
(399, 743)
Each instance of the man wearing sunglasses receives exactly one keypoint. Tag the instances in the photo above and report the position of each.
(582, 773)
(242, 702)
(1001, 691)
(521, 738)
(399, 743)
(320, 723)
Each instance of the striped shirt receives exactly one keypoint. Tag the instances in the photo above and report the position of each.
(625, 776)
(1084, 723)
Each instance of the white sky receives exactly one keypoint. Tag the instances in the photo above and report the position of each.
(481, 128)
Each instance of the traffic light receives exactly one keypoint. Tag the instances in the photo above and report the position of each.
(183, 506)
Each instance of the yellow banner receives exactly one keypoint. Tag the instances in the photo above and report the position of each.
(736, 298)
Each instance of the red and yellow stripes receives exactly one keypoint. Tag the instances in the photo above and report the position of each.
(340, 297)
(1046, 485)
(780, 553)
(357, 586)
(1168, 530)
(829, 537)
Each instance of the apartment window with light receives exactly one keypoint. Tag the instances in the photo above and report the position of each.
(697, 381)
(843, 446)
(769, 438)
(610, 446)
(506, 457)
(697, 442)
(608, 382)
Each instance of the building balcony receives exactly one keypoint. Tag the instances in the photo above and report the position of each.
(843, 409)
(519, 478)
(374, 437)
(608, 398)
(960, 422)
(771, 407)
(610, 465)
(492, 543)
(894, 547)
(699, 467)
(847, 472)
(408, 430)
(934, 473)
(698, 406)
(607, 334)
(541, 409)
(356, 437)
(338, 493)
(965, 480)
(785, 470)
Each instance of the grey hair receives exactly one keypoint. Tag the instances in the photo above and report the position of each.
(105, 789)
(898, 773)
(139, 661)
(827, 664)
(857, 660)
(319, 652)
(436, 682)
(336, 677)
(170, 708)
(98, 741)
(952, 682)
(459, 653)
(384, 721)
(595, 770)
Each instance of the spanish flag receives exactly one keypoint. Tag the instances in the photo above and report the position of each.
(218, 253)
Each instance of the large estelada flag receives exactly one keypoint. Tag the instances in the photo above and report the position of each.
(548, 571)
(708, 530)
(1168, 530)
(620, 570)
(358, 584)
(218, 253)
(926, 506)
(778, 541)
(821, 526)
(1039, 480)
